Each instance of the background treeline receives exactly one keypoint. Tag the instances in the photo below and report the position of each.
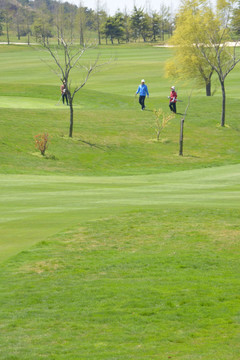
(44, 19)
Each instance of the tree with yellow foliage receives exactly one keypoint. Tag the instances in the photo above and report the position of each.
(218, 49)
(188, 63)
(202, 40)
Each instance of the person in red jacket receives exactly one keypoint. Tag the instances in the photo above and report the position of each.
(173, 100)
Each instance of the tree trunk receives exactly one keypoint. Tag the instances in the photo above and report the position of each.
(99, 36)
(58, 36)
(8, 39)
(71, 117)
(18, 33)
(208, 83)
(208, 88)
(223, 103)
(81, 38)
(181, 138)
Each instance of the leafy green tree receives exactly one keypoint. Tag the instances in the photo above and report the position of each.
(100, 17)
(166, 25)
(204, 40)
(8, 17)
(28, 19)
(140, 24)
(109, 28)
(60, 22)
(19, 21)
(90, 18)
(155, 25)
(43, 25)
(188, 62)
(24, 2)
(146, 27)
(81, 19)
(235, 22)
(127, 26)
(120, 30)
(69, 21)
(215, 48)
(136, 22)
(1, 22)
(113, 27)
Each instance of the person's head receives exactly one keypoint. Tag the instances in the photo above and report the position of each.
(142, 81)
(173, 88)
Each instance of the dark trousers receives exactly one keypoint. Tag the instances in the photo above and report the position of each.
(64, 96)
(142, 101)
(172, 106)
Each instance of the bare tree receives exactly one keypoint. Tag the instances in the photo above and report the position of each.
(70, 60)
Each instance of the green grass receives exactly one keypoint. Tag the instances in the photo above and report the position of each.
(117, 249)
(106, 115)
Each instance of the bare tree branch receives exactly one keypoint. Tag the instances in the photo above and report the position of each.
(70, 61)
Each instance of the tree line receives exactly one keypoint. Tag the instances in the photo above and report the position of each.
(44, 19)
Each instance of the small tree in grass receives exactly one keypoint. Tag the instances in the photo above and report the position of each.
(41, 142)
(161, 121)
(65, 63)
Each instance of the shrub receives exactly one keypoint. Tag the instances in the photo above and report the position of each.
(161, 121)
(41, 142)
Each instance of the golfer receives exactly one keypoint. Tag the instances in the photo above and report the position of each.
(64, 92)
(173, 100)
(142, 91)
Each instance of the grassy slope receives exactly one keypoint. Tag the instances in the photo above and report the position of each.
(39, 206)
(158, 282)
(106, 115)
(141, 266)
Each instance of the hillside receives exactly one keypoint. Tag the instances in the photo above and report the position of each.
(111, 135)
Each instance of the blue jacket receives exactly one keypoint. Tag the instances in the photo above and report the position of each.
(142, 90)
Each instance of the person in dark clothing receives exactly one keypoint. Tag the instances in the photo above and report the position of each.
(64, 92)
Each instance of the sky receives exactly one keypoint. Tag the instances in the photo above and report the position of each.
(111, 6)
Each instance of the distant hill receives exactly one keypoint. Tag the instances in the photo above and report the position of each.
(10, 4)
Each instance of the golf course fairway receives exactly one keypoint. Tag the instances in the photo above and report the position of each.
(36, 207)
(112, 246)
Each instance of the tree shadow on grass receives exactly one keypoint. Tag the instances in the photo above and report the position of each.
(95, 145)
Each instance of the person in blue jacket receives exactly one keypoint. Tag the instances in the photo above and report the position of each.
(142, 91)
